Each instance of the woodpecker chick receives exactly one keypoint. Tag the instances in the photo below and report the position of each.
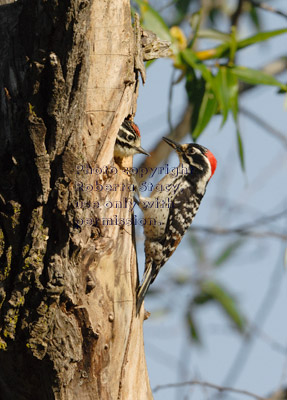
(128, 142)
(168, 213)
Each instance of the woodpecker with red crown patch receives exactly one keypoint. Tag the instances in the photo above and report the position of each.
(184, 193)
(128, 141)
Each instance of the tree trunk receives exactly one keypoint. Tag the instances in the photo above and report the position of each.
(68, 271)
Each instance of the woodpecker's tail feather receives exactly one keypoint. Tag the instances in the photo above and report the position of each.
(143, 288)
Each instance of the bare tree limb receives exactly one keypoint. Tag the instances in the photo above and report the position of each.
(210, 385)
(270, 341)
(244, 229)
(239, 231)
(267, 339)
(170, 95)
(237, 13)
(263, 124)
(279, 395)
(266, 7)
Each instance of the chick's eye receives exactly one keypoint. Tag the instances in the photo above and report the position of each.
(191, 151)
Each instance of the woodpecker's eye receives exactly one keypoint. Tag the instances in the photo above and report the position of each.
(130, 137)
(191, 150)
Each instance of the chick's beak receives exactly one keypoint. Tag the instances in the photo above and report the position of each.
(141, 150)
(173, 144)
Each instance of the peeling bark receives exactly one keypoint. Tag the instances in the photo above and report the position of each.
(68, 327)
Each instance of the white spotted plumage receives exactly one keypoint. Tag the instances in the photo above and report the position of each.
(162, 238)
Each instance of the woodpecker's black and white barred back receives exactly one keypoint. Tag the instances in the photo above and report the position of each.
(128, 142)
(173, 217)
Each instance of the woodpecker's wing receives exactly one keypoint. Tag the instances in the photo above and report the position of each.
(184, 208)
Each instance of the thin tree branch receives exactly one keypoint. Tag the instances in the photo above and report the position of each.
(243, 232)
(266, 7)
(160, 356)
(263, 124)
(267, 339)
(266, 219)
(210, 385)
(245, 229)
(237, 13)
(272, 343)
(281, 394)
(169, 118)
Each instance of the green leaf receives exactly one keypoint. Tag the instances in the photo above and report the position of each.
(202, 298)
(222, 92)
(203, 96)
(195, 22)
(194, 333)
(226, 302)
(233, 45)
(223, 50)
(195, 88)
(182, 6)
(190, 58)
(240, 148)
(208, 108)
(226, 85)
(260, 37)
(216, 52)
(254, 16)
(153, 21)
(233, 88)
(256, 77)
(149, 63)
(228, 252)
(214, 34)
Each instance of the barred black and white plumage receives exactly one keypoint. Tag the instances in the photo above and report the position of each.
(128, 141)
(185, 193)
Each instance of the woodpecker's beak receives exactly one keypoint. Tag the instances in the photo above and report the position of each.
(141, 150)
(172, 143)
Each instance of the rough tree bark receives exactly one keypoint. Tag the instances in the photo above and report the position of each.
(67, 278)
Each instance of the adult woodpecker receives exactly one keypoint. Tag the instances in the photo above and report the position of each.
(184, 194)
(128, 141)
